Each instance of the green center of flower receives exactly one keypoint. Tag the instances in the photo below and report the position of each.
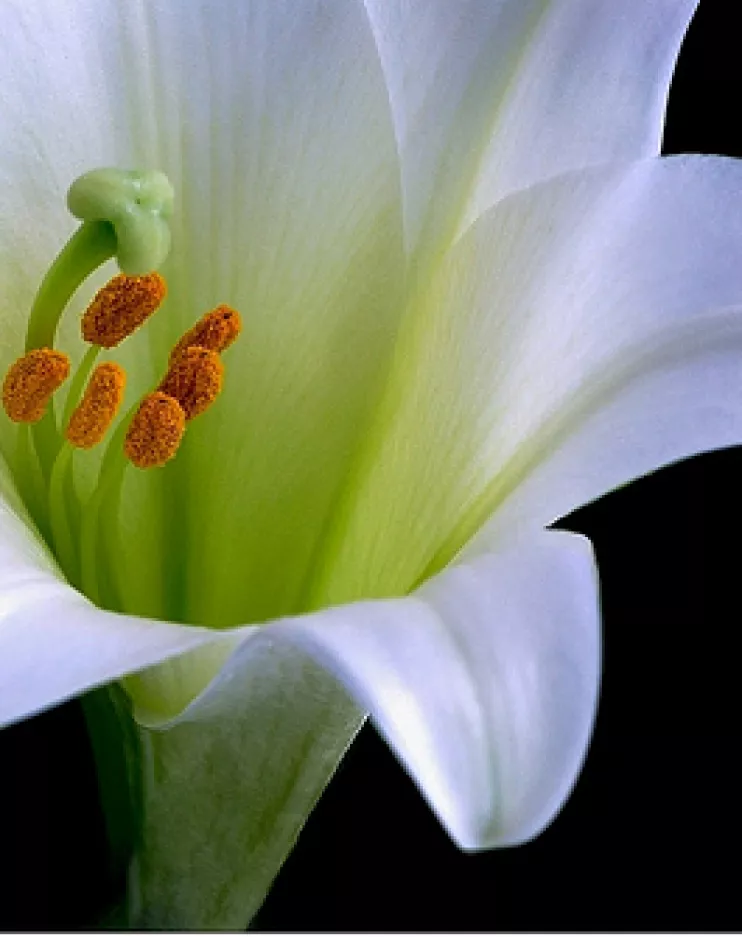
(124, 217)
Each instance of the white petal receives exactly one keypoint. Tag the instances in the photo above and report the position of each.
(489, 97)
(484, 682)
(594, 90)
(671, 397)
(54, 644)
(558, 303)
(301, 230)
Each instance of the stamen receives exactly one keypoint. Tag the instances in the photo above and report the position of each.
(195, 380)
(215, 331)
(31, 381)
(123, 304)
(155, 432)
(96, 411)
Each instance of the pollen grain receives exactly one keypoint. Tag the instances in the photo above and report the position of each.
(31, 381)
(155, 431)
(195, 380)
(93, 416)
(216, 331)
(121, 307)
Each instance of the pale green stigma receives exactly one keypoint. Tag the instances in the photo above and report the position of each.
(137, 205)
(125, 216)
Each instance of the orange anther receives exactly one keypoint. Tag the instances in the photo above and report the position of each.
(96, 411)
(155, 431)
(31, 381)
(216, 331)
(124, 303)
(194, 380)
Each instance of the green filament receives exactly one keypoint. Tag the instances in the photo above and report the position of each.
(60, 522)
(30, 481)
(109, 484)
(78, 382)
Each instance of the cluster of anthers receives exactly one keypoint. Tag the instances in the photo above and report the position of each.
(124, 216)
(192, 383)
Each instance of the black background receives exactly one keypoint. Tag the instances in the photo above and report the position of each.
(650, 836)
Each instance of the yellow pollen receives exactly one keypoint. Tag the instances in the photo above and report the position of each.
(155, 431)
(216, 331)
(194, 380)
(117, 310)
(31, 381)
(96, 411)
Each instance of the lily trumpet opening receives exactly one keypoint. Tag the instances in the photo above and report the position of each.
(455, 337)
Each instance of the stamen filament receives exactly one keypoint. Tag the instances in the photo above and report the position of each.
(30, 480)
(60, 522)
(111, 474)
(78, 382)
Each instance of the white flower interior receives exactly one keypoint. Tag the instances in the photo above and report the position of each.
(473, 299)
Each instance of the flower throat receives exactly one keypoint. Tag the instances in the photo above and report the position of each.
(124, 217)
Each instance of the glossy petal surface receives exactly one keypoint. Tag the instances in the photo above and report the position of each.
(558, 303)
(491, 97)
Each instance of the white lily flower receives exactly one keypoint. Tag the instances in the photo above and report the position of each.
(474, 299)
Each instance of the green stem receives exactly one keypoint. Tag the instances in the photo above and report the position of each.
(60, 523)
(78, 382)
